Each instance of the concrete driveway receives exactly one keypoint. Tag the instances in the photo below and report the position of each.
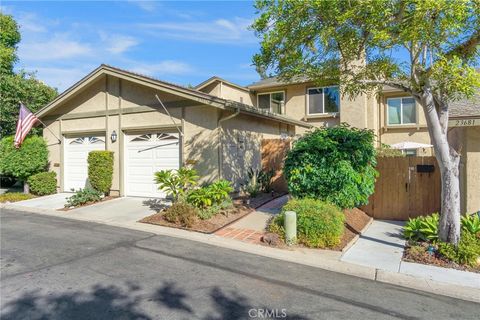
(53, 201)
(120, 210)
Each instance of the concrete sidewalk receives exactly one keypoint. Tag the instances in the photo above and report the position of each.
(380, 246)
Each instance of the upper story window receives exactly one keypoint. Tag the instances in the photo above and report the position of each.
(323, 100)
(401, 111)
(272, 101)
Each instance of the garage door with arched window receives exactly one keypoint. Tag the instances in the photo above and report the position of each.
(146, 154)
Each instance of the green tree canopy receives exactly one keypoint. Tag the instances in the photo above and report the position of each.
(359, 44)
(15, 87)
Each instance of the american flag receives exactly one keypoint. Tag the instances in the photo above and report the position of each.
(26, 120)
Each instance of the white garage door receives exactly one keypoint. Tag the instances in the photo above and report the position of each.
(146, 154)
(75, 160)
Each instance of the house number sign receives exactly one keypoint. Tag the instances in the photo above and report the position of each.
(464, 123)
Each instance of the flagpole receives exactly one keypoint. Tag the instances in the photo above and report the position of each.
(59, 140)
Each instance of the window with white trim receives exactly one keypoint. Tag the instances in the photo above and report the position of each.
(272, 101)
(401, 111)
(323, 100)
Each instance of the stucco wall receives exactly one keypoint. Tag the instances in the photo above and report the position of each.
(128, 107)
(241, 139)
(472, 169)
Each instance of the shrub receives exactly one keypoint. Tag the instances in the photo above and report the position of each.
(333, 164)
(176, 183)
(258, 180)
(83, 196)
(43, 183)
(207, 213)
(100, 170)
(21, 163)
(210, 195)
(15, 196)
(467, 251)
(471, 224)
(182, 213)
(423, 228)
(319, 224)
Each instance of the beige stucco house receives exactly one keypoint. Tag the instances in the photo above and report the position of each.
(391, 114)
(152, 125)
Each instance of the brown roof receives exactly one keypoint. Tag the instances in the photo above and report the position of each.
(275, 82)
(466, 107)
(204, 97)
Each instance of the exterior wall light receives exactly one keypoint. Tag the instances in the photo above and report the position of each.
(113, 137)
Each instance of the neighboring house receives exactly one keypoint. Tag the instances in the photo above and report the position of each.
(393, 115)
(117, 110)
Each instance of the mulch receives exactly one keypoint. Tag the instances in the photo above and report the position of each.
(106, 198)
(220, 220)
(412, 254)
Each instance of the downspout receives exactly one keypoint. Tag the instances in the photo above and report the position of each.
(220, 149)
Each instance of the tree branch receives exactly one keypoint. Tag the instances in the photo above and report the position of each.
(467, 48)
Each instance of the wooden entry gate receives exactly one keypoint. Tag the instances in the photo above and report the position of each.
(407, 187)
(273, 152)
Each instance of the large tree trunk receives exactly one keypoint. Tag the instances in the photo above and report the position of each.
(448, 160)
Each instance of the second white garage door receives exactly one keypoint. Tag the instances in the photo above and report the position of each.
(146, 154)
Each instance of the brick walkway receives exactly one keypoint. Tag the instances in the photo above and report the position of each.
(245, 235)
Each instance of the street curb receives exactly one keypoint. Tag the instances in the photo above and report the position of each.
(322, 259)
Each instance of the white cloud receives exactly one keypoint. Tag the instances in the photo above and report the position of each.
(29, 22)
(117, 43)
(148, 6)
(165, 67)
(60, 46)
(233, 31)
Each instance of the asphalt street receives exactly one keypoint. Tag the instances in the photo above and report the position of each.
(54, 268)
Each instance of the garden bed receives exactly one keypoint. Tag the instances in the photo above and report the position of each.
(106, 198)
(355, 222)
(418, 253)
(218, 221)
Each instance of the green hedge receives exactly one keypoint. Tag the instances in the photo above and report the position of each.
(100, 170)
(319, 224)
(43, 183)
(334, 164)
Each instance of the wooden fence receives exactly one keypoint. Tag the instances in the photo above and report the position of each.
(407, 187)
(273, 156)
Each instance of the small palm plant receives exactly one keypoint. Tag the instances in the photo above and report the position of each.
(176, 183)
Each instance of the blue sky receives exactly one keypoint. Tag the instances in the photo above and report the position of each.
(182, 42)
